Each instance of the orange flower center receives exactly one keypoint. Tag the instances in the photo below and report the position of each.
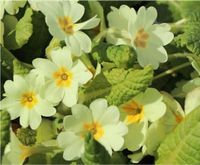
(29, 100)
(66, 24)
(141, 39)
(95, 128)
(134, 111)
(63, 77)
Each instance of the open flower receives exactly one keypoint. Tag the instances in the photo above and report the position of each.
(139, 32)
(24, 99)
(100, 120)
(62, 17)
(63, 76)
(143, 108)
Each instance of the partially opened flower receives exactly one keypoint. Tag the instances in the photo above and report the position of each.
(139, 31)
(63, 76)
(100, 120)
(17, 153)
(145, 107)
(25, 99)
(62, 17)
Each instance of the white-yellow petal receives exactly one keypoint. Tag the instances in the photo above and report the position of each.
(81, 73)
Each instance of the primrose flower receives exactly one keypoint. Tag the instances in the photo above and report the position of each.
(62, 17)
(24, 99)
(63, 76)
(17, 153)
(138, 31)
(143, 108)
(102, 121)
(11, 6)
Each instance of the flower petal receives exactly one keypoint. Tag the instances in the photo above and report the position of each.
(163, 32)
(81, 73)
(192, 100)
(76, 11)
(91, 23)
(74, 45)
(71, 94)
(114, 135)
(46, 67)
(84, 41)
(151, 56)
(34, 120)
(24, 118)
(14, 111)
(135, 138)
(62, 57)
(82, 113)
(111, 116)
(154, 111)
(98, 108)
(53, 9)
(119, 18)
(44, 108)
(54, 28)
(73, 124)
(53, 93)
(151, 15)
(74, 146)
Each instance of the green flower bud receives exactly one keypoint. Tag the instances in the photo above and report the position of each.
(27, 136)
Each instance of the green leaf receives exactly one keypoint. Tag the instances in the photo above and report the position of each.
(46, 131)
(195, 61)
(99, 87)
(191, 37)
(21, 68)
(6, 63)
(99, 52)
(94, 153)
(24, 28)
(186, 7)
(10, 23)
(127, 83)
(4, 129)
(38, 41)
(118, 158)
(122, 55)
(182, 146)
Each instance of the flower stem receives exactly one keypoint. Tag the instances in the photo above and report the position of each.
(178, 26)
(172, 70)
(100, 36)
(179, 55)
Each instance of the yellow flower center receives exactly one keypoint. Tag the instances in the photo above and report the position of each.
(63, 77)
(134, 111)
(141, 39)
(66, 24)
(95, 128)
(25, 152)
(29, 99)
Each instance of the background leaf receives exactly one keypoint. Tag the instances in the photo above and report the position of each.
(182, 146)
(24, 28)
(4, 129)
(94, 153)
(134, 82)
